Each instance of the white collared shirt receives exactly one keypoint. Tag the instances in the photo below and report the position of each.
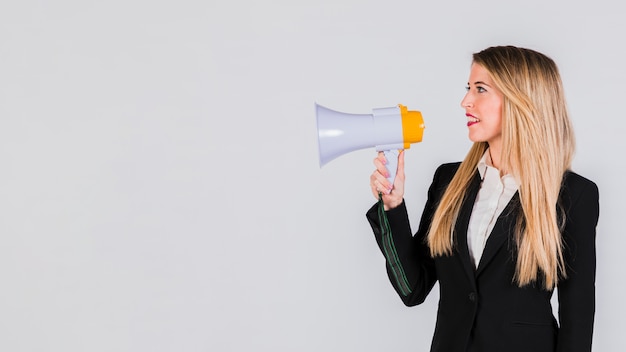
(494, 195)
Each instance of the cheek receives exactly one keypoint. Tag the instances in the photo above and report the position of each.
(497, 114)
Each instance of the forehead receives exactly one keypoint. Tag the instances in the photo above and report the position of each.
(479, 74)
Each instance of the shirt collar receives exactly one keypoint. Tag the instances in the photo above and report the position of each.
(485, 163)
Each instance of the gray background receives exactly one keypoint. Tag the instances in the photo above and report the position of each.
(159, 182)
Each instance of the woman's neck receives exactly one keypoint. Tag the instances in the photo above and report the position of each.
(494, 154)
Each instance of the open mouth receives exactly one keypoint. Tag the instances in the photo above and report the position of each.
(471, 120)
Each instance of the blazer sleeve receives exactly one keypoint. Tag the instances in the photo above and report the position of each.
(410, 267)
(576, 293)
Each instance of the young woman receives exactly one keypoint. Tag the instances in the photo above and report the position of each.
(504, 228)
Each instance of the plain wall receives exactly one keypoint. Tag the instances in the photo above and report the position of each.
(159, 179)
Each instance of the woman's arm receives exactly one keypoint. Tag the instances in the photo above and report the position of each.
(576, 293)
(410, 267)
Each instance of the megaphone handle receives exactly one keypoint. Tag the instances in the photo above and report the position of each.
(392, 163)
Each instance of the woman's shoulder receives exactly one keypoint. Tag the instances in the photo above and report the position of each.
(448, 168)
(445, 173)
(575, 186)
(572, 180)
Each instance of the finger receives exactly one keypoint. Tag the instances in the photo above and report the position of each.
(400, 171)
(382, 183)
(376, 188)
(380, 163)
(382, 158)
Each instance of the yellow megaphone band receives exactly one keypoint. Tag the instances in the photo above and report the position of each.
(412, 126)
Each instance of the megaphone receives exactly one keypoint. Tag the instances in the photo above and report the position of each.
(386, 129)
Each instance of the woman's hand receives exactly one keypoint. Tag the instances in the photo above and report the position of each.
(392, 194)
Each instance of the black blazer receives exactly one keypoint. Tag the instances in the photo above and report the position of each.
(483, 309)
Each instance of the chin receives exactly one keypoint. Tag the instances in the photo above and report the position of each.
(476, 140)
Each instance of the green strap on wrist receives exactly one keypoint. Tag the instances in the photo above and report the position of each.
(389, 250)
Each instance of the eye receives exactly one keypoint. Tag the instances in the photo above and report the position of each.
(479, 89)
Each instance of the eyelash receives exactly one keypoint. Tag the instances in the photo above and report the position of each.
(479, 89)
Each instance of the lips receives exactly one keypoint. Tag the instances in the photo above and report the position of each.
(471, 120)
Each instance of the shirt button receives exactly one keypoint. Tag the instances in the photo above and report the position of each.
(472, 297)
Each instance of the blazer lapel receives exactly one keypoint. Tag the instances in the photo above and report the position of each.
(461, 225)
(502, 231)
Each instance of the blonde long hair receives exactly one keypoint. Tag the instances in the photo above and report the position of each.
(538, 146)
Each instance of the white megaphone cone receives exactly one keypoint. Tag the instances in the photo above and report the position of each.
(386, 129)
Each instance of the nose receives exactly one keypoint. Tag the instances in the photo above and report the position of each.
(467, 103)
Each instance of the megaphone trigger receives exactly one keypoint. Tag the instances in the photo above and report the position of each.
(392, 164)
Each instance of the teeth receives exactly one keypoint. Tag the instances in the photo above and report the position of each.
(472, 119)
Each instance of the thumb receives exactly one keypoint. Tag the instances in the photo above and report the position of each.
(400, 171)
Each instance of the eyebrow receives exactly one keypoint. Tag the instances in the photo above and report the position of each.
(480, 82)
